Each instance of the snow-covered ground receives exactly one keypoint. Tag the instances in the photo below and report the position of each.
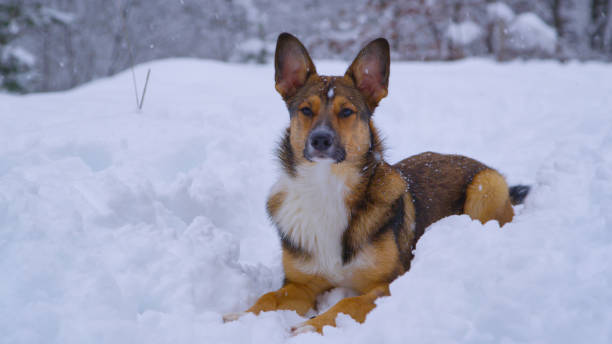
(118, 226)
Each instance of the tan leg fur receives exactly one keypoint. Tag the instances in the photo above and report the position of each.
(297, 297)
(487, 198)
(357, 307)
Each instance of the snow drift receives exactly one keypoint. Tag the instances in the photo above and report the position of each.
(119, 226)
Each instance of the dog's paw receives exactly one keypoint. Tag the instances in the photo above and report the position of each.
(302, 328)
(233, 316)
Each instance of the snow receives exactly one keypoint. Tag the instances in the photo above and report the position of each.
(464, 33)
(119, 226)
(500, 11)
(62, 17)
(529, 32)
(13, 27)
(253, 46)
(19, 54)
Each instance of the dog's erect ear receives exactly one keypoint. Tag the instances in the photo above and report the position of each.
(370, 71)
(293, 65)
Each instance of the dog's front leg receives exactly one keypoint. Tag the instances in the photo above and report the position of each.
(292, 296)
(296, 297)
(357, 307)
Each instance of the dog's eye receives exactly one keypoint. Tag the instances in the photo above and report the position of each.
(306, 111)
(346, 112)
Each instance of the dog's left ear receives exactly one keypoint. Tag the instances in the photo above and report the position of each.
(370, 71)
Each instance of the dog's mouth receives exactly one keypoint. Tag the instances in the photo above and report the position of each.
(337, 155)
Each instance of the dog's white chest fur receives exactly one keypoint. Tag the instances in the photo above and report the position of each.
(313, 216)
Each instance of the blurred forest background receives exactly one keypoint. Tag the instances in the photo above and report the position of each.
(48, 45)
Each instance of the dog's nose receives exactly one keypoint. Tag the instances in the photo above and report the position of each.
(321, 141)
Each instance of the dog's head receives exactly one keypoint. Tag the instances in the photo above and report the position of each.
(330, 115)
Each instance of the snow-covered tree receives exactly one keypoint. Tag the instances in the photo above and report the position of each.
(15, 62)
(18, 18)
(500, 16)
(574, 35)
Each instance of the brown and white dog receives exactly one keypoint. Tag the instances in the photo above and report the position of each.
(346, 218)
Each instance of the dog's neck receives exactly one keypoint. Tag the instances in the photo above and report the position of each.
(316, 213)
(320, 199)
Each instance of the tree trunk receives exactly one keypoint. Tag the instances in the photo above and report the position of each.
(599, 12)
(607, 35)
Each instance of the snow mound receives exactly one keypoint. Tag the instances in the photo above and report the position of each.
(119, 226)
(528, 32)
(500, 11)
(464, 33)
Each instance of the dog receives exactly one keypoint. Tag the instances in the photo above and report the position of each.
(345, 217)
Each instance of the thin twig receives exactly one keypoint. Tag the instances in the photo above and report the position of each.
(131, 56)
(144, 91)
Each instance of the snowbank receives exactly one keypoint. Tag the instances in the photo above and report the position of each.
(530, 33)
(464, 33)
(500, 11)
(119, 226)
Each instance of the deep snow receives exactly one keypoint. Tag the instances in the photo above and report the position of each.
(118, 226)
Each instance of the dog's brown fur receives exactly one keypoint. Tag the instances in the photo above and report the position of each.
(387, 208)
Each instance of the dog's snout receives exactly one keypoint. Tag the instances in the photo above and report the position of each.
(321, 141)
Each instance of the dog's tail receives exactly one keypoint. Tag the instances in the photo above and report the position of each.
(518, 193)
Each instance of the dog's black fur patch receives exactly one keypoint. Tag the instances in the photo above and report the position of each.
(518, 193)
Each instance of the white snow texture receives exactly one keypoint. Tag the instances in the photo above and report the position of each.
(529, 32)
(464, 33)
(500, 11)
(118, 226)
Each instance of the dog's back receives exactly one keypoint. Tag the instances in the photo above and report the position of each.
(442, 185)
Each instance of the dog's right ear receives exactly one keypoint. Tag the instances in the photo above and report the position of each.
(293, 65)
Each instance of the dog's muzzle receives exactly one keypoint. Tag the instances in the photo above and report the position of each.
(323, 143)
